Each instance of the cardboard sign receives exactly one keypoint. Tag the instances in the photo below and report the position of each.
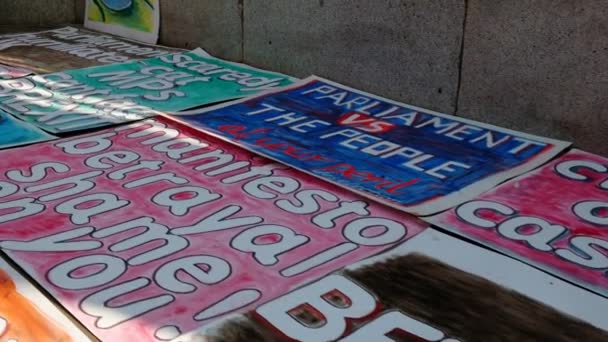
(149, 230)
(27, 315)
(431, 288)
(135, 19)
(407, 157)
(98, 96)
(8, 72)
(15, 132)
(555, 218)
(71, 48)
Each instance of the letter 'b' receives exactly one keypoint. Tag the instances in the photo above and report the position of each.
(288, 313)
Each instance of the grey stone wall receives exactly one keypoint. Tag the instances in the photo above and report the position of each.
(540, 66)
(213, 25)
(39, 13)
(406, 50)
(380, 46)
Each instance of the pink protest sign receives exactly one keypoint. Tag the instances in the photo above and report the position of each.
(555, 218)
(150, 230)
(8, 72)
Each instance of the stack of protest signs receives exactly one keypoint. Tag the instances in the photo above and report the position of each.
(153, 194)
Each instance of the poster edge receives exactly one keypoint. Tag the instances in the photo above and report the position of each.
(139, 36)
(67, 321)
(506, 252)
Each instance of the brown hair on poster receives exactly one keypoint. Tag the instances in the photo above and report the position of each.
(460, 304)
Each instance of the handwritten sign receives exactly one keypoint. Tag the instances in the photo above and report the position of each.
(430, 288)
(27, 315)
(135, 19)
(8, 72)
(72, 48)
(410, 158)
(15, 132)
(97, 96)
(555, 218)
(152, 229)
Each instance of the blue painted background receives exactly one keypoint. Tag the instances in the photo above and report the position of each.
(14, 132)
(485, 162)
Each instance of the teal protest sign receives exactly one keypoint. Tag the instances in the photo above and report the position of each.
(111, 94)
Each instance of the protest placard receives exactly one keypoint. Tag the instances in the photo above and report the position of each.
(27, 315)
(8, 72)
(134, 19)
(433, 287)
(555, 218)
(15, 132)
(71, 48)
(148, 230)
(410, 158)
(111, 94)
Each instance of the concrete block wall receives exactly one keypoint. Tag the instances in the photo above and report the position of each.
(540, 66)
(213, 25)
(405, 50)
(36, 13)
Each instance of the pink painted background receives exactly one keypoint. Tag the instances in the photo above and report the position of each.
(9, 72)
(545, 194)
(246, 273)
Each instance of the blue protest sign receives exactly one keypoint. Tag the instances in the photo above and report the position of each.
(411, 158)
(14, 132)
